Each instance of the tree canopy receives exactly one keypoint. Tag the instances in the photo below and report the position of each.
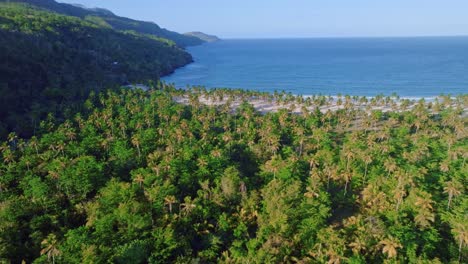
(136, 177)
(51, 61)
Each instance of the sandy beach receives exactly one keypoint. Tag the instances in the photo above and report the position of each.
(267, 104)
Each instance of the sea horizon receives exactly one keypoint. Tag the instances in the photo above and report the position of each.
(414, 67)
(341, 37)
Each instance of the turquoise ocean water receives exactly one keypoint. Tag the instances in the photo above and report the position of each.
(409, 67)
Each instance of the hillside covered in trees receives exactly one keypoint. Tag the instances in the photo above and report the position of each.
(203, 36)
(104, 17)
(137, 178)
(52, 55)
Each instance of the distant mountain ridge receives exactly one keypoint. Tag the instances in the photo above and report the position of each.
(204, 37)
(95, 9)
(53, 55)
(103, 16)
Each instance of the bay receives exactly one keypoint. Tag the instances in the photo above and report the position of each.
(410, 67)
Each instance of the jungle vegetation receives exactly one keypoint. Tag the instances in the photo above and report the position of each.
(104, 17)
(53, 55)
(136, 178)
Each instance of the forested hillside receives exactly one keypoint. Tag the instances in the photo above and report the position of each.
(137, 178)
(49, 62)
(203, 36)
(105, 17)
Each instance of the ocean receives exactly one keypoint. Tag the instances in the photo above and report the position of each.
(409, 67)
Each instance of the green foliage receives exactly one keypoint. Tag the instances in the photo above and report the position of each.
(137, 178)
(106, 18)
(51, 61)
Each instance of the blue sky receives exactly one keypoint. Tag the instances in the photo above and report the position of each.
(298, 18)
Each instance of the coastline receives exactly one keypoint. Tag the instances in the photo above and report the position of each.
(267, 102)
(354, 66)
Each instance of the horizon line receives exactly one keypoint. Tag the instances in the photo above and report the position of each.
(344, 37)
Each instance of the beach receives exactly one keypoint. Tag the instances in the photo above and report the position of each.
(299, 104)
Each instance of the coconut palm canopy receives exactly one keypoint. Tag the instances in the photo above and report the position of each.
(168, 175)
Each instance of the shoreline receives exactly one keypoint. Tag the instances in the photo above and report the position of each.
(317, 74)
(428, 98)
(299, 104)
(265, 102)
(265, 105)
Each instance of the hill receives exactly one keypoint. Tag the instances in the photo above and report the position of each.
(53, 55)
(202, 36)
(102, 16)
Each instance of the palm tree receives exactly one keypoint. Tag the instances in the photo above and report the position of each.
(357, 246)
(274, 165)
(299, 132)
(33, 142)
(453, 189)
(424, 203)
(187, 206)
(424, 215)
(445, 165)
(205, 189)
(390, 165)
(273, 142)
(460, 231)
(349, 155)
(139, 179)
(390, 246)
(12, 137)
(347, 176)
(136, 143)
(313, 162)
(367, 158)
(123, 128)
(8, 156)
(399, 194)
(169, 201)
(423, 218)
(49, 247)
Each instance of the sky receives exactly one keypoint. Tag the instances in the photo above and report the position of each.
(297, 18)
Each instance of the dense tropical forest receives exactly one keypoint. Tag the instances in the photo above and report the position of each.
(53, 55)
(104, 17)
(93, 172)
(137, 178)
